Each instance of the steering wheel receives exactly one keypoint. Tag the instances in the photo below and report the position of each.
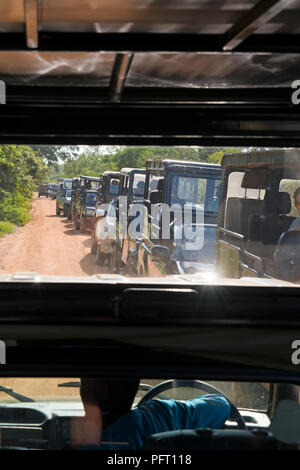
(168, 384)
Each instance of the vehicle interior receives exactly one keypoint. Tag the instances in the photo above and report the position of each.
(46, 419)
(257, 212)
(195, 73)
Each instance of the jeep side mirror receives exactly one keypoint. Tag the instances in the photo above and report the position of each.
(161, 252)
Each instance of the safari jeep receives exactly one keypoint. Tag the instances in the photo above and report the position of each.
(108, 187)
(64, 184)
(85, 210)
(190, 188)
(131, 191)
(256, 212)
(52, 190)
(84, 204)
(106, 195)
(43, 190)
(74, 198)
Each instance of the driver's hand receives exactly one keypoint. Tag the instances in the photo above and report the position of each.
(87, 430)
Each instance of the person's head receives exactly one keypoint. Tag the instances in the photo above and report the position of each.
(114, 186)
(297, 200)
(113, 396)
(140, 187)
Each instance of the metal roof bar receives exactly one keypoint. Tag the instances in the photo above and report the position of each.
(261, 13)
(127, 43)
(119, 74)
(24, 95)
(31, 8)
(155, 123)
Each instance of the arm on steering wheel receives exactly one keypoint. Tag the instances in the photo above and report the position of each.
(169, 384)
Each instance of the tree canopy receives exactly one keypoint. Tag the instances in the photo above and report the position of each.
(94, 161)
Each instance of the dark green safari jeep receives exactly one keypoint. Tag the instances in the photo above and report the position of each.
(178, 228)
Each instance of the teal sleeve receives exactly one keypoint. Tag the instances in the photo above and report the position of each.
(132, 429)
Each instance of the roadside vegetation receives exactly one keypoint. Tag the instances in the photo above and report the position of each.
(6, 227)
(21, 170)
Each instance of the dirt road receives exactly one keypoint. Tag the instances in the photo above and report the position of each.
(47, 245)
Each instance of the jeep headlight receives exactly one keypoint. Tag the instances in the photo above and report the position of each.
(89, 212)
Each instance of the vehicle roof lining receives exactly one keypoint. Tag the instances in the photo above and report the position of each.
(231, 55)
(91, 43)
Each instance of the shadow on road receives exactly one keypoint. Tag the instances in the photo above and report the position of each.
(72, 231)
(89, 266)
(68, 224)
(87, 242)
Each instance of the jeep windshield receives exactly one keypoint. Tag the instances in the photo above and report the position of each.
(60, 391)
(90, 199)
(50, 413)
(189, 249)
(232, 214)
(47, 413)
(197, 191)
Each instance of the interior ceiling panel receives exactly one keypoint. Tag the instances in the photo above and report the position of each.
(30, 67)
(213, 70)
(140, 16)
(124, 47)
(160, 16)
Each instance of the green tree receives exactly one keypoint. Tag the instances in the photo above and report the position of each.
(21, 170)
(94, 161)
(54, 154)
(217, 156)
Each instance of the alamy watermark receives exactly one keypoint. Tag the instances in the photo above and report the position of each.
(166, 222)
(2, 352)
(296, 354)
(2, 92)
(296, 94)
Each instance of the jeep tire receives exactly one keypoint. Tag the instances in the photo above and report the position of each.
(100, 257)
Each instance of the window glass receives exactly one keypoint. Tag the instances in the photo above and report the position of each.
(91, 199)
(68, 184)
(139, 185)
(63, 413)
(290, 186)
(241, 209)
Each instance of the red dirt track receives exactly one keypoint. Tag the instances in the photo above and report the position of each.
(47, 245)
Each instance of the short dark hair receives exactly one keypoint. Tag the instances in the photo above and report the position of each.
(296, 192)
